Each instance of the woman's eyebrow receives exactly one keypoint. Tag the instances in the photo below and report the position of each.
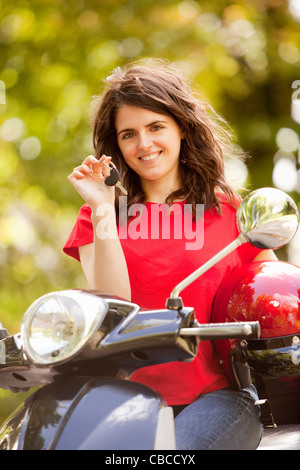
(147, 125)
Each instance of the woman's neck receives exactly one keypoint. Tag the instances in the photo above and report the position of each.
(157, 192)
(153, 193)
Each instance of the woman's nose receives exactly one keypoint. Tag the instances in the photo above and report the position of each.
(145, 142)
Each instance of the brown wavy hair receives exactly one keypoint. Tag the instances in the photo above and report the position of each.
(156, 85)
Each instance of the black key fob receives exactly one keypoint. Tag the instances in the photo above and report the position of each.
(113, 178)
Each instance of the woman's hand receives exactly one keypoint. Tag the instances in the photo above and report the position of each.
(103, 260)
(88, 180)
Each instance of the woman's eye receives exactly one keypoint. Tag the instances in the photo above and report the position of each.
(128, 135)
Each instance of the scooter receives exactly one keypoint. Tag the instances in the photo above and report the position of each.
(80, 347)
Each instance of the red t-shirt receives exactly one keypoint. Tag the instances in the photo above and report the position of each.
(160, 252)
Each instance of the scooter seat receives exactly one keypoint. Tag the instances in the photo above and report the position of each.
(285, 437)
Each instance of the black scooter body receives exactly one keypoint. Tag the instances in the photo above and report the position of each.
(83, 413)
(87, 403)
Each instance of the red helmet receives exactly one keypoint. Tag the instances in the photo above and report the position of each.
(268, 292)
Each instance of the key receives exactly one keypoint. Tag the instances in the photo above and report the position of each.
(114, 178)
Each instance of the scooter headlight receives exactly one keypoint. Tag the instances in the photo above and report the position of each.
(57, 325)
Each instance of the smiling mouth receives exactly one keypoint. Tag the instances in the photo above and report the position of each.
(150, 157)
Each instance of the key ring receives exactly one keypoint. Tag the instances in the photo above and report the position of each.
(112, 167)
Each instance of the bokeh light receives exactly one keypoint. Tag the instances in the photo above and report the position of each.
(30, 148)
(287, 139)
(294, 7)
(285, 174)
(237, 173)
(12, 129)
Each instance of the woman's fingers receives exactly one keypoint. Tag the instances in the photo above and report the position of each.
(76, 174)
(101, 166)
(88, 179)
(90, 160)
(84, 169)
(91, 166)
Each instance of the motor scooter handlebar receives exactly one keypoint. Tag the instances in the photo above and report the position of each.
(215, 331)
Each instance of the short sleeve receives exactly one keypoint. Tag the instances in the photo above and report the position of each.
(81, 234)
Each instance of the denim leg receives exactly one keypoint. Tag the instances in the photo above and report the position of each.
(226, 419)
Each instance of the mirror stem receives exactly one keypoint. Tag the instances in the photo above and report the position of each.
(177, 303)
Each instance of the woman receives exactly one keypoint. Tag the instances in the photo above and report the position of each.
(170, 153)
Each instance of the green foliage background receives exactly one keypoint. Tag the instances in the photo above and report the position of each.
(242, 55)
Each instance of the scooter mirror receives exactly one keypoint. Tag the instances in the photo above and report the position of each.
(268, 218)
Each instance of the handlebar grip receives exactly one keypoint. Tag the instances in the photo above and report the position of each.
(230, 330)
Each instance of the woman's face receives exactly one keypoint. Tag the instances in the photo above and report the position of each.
(150, 144)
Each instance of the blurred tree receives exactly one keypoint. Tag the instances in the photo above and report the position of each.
(243, 56)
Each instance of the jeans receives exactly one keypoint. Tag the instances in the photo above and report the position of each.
(226, 419)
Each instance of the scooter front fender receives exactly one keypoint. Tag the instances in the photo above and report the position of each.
(88, 413)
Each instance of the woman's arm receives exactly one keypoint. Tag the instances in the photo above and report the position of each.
(104, 265)
(103, 261)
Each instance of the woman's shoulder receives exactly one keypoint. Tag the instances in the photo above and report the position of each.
(236, 199)
(226, 204)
